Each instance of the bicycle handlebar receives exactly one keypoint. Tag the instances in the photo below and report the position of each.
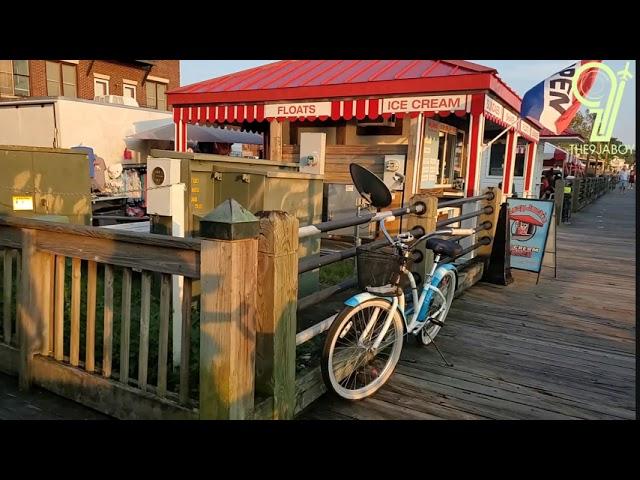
(406, 238)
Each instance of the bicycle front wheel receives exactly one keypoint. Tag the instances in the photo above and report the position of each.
(351, 368)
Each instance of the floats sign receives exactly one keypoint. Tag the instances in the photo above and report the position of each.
(315, 109)
(529, 222)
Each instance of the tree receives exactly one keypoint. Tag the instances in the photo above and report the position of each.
(583, 124)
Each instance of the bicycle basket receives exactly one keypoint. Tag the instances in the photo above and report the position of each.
(377, 267)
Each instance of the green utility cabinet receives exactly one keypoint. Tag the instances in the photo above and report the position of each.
(45, 183)
(258, 185)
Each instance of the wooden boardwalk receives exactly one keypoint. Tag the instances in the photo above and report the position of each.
(562, 349)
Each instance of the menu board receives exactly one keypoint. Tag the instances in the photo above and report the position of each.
(529, 221)
(430, 163)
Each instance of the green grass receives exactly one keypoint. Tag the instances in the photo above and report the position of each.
(337, 272)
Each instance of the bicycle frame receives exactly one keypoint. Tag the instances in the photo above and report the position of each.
(420, 304)
(418, 313)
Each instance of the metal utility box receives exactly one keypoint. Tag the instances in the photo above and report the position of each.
(312, 152)
(45, 183)
(164, 175)
(341, 201)
(258, 185)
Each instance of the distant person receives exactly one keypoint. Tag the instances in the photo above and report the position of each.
(567, 199)
(623, 178)
(632, 178)
(547, 188)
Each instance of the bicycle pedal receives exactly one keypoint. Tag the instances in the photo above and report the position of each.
(437, 322)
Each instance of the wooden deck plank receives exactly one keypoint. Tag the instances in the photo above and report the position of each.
(562, 349)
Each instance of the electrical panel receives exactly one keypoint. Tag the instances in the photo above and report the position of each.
(163, 185)
(312, 152)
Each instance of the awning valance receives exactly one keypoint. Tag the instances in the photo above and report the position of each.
(359, 109)
(495, 112)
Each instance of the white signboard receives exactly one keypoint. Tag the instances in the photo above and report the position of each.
(493, 107)
(430, 163)
(442, 127)
(424, 104)
(307, 109)
(510, 118)
(535, 134)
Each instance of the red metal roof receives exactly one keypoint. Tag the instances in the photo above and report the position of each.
(315, 79)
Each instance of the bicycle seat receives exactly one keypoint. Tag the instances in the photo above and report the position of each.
(444, 247)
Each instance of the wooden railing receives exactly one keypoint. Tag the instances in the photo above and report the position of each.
(586, 190)
(483, 210)
(80, 308)
(86, 313)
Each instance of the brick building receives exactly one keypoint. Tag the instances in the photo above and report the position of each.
(147, 81)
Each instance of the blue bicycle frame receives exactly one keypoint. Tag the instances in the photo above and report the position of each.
(421, 304)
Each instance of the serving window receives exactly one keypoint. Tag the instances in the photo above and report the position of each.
(442, 155)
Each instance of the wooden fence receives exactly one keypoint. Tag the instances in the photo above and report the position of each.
(586, 190)
(86, 313)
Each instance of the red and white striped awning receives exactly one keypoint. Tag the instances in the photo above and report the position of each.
(373, 108)
(523, 128)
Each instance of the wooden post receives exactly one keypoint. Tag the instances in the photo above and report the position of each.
(412, 163)
(575, 194)
(276, 319)
(495, 202)
(275, 141)
(427, 220)
(228, 277)
(34, 306)
(559, 199)
(6, 292)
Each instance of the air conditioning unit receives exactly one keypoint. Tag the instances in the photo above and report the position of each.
(117, 100)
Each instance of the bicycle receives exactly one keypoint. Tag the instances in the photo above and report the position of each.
(365, 340)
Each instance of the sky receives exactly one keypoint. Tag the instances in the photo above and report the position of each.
(520, 75)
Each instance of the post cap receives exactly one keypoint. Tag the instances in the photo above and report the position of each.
(229, 221)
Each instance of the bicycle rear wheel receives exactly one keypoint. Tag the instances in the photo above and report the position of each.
(350, 368)
(447, 287)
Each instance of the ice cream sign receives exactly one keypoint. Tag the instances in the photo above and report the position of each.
(529, 221)
(432, 103)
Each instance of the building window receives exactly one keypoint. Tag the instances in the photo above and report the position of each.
(21, 77)
(62, 79)
(6, 77)
(129, 91)
(518, 168)
(496, 159)
(156, 95)
(14, 77)
(100, 87)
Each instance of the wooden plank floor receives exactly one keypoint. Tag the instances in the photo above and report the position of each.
(562, 349)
